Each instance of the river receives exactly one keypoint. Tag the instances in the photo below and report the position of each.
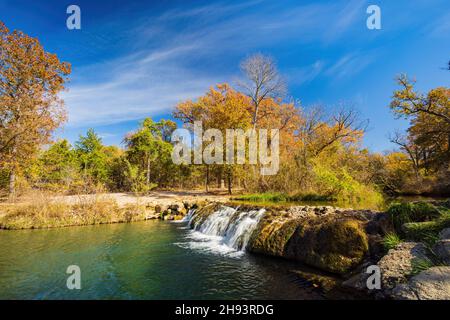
(141, 260)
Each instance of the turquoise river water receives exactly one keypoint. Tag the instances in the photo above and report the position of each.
(141, 260)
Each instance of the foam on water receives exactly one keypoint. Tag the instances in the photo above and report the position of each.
(226, 231)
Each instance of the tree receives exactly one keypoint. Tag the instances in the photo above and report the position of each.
(30, 80)
(220, 108)
(148, 144)
(429, 115)
(412, 150)
(92, 157)
(57, 164)
(406, 102)
(262, 82)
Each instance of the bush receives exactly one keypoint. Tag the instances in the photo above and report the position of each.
(346, 189)
(402, 213)
(428, 231)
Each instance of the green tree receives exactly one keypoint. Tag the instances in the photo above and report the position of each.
(57, 165)
(149, 148)
(92, 157)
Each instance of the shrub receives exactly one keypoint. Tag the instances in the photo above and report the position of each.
(402, 213)
(345, 189)
(427, 231)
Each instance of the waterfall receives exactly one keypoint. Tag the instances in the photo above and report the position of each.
(226, 230)
(189, 215)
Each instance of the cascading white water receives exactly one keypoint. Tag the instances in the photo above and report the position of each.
(226, 230)
(189, 215)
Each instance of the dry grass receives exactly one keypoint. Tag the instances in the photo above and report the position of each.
(41, 212)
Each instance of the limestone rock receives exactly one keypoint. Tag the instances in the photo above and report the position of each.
(331, 243)
(431, 284)
(444, 234)
(442, 250)
(398, 263)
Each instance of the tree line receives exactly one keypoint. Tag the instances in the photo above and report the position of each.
(320, 149)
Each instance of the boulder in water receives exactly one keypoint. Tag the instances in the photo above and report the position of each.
(331, 243)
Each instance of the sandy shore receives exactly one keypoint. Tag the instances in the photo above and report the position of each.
(162, 198)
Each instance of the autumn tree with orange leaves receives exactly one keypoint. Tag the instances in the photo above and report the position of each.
(30, 80)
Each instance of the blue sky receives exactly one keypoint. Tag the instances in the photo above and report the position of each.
(133, 59)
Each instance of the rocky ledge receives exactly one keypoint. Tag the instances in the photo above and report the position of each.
(331, 239)
(343, 242)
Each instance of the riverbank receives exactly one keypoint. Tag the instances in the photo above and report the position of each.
(41, 211)
(409, 243)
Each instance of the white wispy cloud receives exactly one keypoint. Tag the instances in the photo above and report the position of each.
(349, 65)
(167, 66)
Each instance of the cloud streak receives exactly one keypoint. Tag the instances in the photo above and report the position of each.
(169, 61)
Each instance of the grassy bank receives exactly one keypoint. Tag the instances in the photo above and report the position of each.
(42, 213)
(276, 198)
(283, 197)
(418, 221)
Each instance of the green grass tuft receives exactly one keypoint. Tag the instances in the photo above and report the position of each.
(419, 265)
(391, 240)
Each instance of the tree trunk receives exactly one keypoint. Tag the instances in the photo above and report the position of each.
(219, 178)
(229, 181)
(148, 170)
(207, 179)
(12, 183)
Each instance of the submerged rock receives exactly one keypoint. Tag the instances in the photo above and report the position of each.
(431, 284)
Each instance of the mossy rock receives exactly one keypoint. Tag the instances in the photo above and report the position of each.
(332, 243)
(204, 212)
(272, 235)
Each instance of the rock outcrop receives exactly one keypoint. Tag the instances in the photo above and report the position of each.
(398, 264)
(442, 247)
(331, 239)
(431, 284)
